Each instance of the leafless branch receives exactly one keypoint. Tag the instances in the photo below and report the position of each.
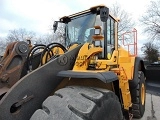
(126, 23)
(151, 20)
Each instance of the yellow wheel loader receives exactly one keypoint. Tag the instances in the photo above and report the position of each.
(95, 80)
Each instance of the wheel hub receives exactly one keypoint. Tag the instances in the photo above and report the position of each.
(142, 94)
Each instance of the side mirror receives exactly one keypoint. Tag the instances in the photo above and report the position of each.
(104, 14)
(55, 25)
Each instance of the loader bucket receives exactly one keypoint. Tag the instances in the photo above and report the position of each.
(153, 79)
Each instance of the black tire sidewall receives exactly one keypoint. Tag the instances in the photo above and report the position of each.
(142, 81)
(136, 95)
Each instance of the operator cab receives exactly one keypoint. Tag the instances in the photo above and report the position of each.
(80, 28)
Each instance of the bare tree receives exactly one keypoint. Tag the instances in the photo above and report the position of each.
(60, 35)
(150, 51)
(19, 35)
(2, 46)
(151, 20)
(46, 39)
(126, 23)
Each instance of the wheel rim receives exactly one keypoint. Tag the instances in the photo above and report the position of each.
(142, 94)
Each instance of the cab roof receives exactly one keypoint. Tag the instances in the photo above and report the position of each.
(90, 10)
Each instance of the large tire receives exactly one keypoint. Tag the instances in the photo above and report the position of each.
(80, 103)
(138, 95)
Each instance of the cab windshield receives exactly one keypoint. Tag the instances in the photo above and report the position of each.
(80, 29)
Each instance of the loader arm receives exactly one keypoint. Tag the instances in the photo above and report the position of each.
(29, 92)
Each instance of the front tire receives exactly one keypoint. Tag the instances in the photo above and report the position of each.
(138, 95)
(80, 103)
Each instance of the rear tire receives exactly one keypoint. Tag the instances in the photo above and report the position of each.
(80, 103)
(138, 95)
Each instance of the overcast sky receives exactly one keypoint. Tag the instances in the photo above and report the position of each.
(38, 15)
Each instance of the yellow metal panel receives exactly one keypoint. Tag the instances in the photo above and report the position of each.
(85, 55)
(123, 52)
(128, 67)
(73, 46)
(105, 64)
(124, 60)
(124, 86)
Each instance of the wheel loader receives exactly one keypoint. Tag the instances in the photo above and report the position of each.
(96, 79)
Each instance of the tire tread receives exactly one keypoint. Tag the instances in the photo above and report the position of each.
(77, 103)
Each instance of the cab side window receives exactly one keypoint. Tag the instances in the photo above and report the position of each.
(110, 37)
(110, 31)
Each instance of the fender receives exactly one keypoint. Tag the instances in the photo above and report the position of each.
(104, 76)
